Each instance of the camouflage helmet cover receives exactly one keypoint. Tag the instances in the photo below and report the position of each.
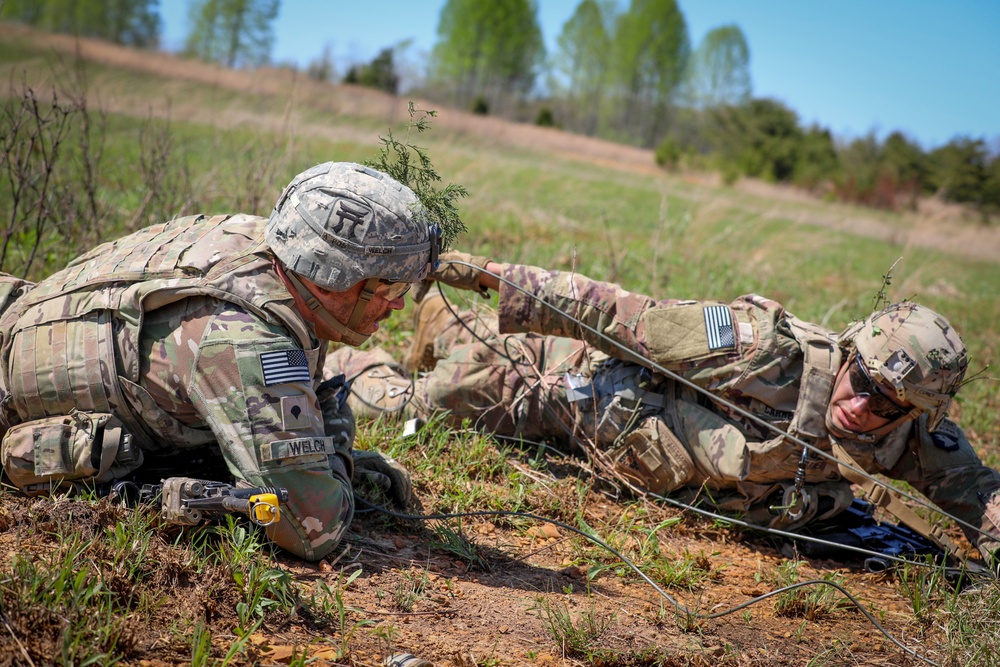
(339, 223)
(915, 353)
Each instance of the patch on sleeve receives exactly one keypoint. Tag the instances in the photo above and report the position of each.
(295, 413)
(947, 436)
(284, 366)
(281, 450)
(719, 328)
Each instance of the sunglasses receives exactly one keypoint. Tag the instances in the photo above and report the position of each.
(879, 402)
(389, 290)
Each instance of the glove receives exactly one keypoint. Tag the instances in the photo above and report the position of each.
(460, 275)
(384, 475)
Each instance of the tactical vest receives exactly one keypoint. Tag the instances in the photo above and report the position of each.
(69, 355)
(681, 439)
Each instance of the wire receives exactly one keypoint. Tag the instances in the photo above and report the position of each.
(631, 565)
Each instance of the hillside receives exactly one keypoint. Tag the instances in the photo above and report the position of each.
(295, 100)
(89, 582)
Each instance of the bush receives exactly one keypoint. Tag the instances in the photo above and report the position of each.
(545, 118)
(668, 154)
(480, 106)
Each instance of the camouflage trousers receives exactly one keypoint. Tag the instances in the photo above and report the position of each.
(524, 386)
(561, 391)
(511, 385)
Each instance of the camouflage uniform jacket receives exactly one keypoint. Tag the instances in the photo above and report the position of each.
(185, 333)
(757, 363)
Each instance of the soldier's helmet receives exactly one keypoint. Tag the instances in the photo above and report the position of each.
(339, 223)
(915, 353)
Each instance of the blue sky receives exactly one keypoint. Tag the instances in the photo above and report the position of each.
(929, 69)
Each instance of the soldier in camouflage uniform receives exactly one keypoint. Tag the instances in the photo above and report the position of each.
(209, 334)
(876, 395)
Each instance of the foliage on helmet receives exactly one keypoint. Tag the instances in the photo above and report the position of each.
(339, 223)
(410, 165)
(914, 352)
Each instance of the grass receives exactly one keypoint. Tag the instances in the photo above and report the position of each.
(81, 590)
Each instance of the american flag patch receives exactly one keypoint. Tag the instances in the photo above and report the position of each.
(284, 366)
(719, 327)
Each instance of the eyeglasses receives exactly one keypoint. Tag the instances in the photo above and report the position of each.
(389, 290)
(879, 402)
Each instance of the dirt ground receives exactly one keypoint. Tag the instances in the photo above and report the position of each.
(413, 597)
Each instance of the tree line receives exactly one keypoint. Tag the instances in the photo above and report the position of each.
(624, 72)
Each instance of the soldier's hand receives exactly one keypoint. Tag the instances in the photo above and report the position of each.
(462, 276)
(382, 474)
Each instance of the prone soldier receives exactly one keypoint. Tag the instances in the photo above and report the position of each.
(567, 359)
(207, 336)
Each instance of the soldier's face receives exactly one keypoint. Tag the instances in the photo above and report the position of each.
(851, 410)
(341, 305)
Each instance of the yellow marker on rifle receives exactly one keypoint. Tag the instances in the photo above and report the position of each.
(264, 509)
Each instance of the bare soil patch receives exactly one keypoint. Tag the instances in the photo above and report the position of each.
(414, 597)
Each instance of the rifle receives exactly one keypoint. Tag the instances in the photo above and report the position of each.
(188, 502)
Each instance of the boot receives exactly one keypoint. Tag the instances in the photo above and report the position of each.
(378, 385)
(430, 318)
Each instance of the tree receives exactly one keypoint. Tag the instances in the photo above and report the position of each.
(904, 164)
(488, 49)
(237, 33)
(650, 54)
(992, 198)
(960, 172)
(582, 60)
(761, 139)
(322, 68)
(719, 71)
(817, 161)
(129, 22)
(379, 74)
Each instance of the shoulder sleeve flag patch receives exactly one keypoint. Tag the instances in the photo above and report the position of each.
(284, 366)
(719, 327)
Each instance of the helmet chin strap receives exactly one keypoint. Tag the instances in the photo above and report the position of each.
(347, 333)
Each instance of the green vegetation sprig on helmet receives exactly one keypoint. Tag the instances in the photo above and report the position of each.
(340, 223)
(410, 165)
(915, 353)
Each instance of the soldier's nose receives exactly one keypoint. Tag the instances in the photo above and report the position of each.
(859, 403)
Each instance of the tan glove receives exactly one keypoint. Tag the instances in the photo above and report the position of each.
(460, 275)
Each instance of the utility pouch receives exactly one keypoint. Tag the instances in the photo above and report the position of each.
(651, 457)
(42, 454)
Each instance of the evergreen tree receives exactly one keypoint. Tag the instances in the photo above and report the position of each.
(379, 74)
(961, 173)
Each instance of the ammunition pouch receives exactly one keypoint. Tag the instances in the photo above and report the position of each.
(652, 458)
(617, 398)
(46, 454)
